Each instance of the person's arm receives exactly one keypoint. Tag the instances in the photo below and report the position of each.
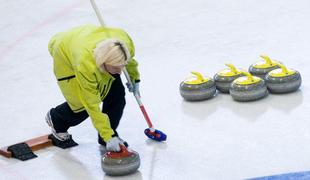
(132, 65)
(132, 68)
(90, 98)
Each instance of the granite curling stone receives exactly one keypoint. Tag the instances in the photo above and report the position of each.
(197, 88)
(262, 68)
(120, 163)
(224, 78)
(248, 88)
(283, 80)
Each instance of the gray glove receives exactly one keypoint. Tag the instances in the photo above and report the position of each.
(114, 144)
(133, 87)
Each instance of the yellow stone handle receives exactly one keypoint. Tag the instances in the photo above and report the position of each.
(232, 68)
(283, 68)
(198, 76)
(249, 76)
(267, 59)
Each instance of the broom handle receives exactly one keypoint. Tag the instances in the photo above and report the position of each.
(147, 118)
(98, 14)
(138, 99)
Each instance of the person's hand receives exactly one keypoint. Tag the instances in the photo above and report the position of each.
(133, 87)
(114, 144)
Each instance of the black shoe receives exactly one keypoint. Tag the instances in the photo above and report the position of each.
(62, 144)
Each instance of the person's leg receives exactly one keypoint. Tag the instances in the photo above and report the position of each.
(63, 117)
(114, 104)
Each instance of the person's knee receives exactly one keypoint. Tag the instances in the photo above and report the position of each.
(62, 115)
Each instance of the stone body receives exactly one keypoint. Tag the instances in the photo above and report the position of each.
(261, 72)
(249, 92)
(223, 82)
(284, 84)
(120, 165)
(198, 92)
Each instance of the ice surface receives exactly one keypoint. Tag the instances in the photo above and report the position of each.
(214, 139)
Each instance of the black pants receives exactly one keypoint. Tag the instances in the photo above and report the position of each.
(113, 105)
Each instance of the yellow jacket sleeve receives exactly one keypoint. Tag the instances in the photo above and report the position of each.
(90, 99)
(132, 65)
(132, 68)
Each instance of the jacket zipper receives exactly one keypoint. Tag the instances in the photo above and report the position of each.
(66, 78)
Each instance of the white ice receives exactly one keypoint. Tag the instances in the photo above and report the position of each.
(214, 139)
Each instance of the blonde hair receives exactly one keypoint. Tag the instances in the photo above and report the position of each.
(111, 52)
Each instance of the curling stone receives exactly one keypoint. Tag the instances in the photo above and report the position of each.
(248, 88)
(197, 88)
(224, 78)
(120, 163)
(262, 68)
(283, 80)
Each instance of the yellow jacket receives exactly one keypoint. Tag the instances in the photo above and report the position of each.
(81, 82)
